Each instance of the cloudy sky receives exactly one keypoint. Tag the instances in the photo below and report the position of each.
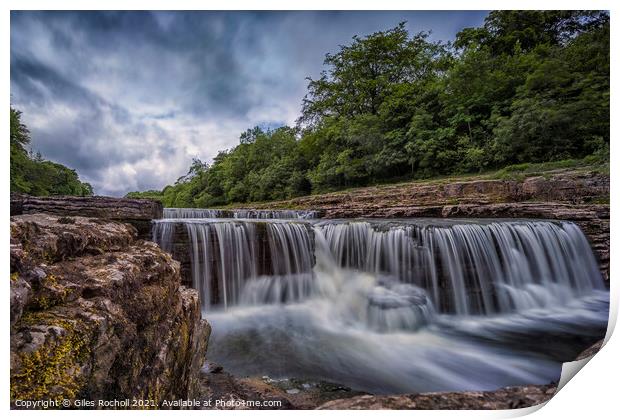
(129, 98)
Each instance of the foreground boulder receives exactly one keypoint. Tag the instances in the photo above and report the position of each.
(97, 314)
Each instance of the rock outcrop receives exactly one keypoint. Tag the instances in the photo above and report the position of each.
(98, 314)
(137, 212)
(501, 399)
(572, 187)
(591, 351)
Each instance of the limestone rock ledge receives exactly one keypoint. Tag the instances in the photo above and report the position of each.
(501, 399)
(137, 212)
(560, 186)
(98, 314)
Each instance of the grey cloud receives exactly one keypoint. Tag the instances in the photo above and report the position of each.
(128, 98)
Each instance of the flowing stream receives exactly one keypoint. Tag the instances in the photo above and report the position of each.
(391, 306)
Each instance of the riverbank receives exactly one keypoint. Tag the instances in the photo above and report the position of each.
(583, 185)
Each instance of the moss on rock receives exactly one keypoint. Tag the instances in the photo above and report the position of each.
(98, 314)
(54, 369)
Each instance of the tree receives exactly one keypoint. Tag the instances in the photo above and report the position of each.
(527, 86)
(33, 174)
(503, 29)
(363, 74)
(20, 136)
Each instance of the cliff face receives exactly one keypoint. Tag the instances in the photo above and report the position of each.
(98, 314)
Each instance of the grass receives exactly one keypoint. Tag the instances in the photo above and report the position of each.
(518, 172)
(532, 169)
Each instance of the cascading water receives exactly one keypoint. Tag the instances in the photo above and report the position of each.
(395, 306)
(486, 268)
(251, 261)
(181, 213)
(173, 213)
(223, 256)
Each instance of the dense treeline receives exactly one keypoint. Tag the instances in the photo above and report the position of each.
(33, 175)
(527, 86)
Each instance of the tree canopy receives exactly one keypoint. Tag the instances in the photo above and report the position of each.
(527, 86)
(31, 174)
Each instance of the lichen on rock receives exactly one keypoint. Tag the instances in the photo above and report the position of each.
(98, 314)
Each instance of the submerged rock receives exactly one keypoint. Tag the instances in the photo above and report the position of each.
(396, 306)
(97, 314)
(397, 295)
(229, 392)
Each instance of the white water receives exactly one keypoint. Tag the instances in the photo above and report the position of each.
(182, 213)
(396, 306)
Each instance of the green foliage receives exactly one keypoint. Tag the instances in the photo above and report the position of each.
(527, 86)
(266, 165)
(562, 109)
(505, 29)
(33, 175)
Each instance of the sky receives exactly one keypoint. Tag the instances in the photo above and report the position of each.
(127, 99)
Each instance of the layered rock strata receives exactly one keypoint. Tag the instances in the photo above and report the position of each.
(137, 212)
(571, 187)
(97, 314)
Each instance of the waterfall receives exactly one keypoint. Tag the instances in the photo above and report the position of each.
(290, 246)
(289, 267)
(223, 256)
(182, 213)
(245, 260)
(162, 232)
(465, 268)
(472, 268)
(391, 306)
